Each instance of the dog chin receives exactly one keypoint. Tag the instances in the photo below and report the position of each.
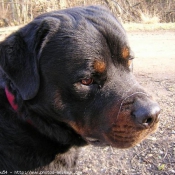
(121, 140)
(121, 144)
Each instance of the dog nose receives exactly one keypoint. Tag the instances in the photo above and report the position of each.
(146, 113)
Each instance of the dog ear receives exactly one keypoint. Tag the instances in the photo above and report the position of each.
(20, 52)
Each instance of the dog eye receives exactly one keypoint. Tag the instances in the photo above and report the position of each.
(87, 81)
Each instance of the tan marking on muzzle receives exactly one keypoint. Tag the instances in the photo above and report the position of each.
(125, 132)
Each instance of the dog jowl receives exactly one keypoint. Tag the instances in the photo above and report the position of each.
(65, 81)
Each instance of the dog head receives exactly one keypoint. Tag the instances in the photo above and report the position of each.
(74, 66)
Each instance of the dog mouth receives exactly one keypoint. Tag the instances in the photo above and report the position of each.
(123, 134)
(119, 139)
(124, 124)
(116, 141)
(93, 141)
(96, 142)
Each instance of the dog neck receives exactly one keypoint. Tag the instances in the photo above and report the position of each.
(55, 128)
(11, 99)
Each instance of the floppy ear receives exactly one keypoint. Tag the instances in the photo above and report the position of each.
(20, 52)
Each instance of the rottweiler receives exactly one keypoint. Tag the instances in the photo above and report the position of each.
(65, 82)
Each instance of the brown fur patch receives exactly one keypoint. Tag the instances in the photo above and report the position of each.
(76, 127)
(125, 52)
(129, 62)
(99, 66)
(124, 131)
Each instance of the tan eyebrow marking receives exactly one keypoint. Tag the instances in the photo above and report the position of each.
(125, 52)
(129, 62)
(99, 66)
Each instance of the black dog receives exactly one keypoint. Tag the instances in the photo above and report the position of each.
(65, 81)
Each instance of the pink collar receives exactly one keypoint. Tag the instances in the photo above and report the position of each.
(11, 99)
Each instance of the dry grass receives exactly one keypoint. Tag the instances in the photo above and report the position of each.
(149, 27)
(16, 12)
(5, 31)
(149, 19)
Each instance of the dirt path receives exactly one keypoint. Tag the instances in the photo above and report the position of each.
(154, 52)
(154, 67)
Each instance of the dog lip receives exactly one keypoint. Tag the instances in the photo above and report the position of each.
(90, 139)
(96, 142)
